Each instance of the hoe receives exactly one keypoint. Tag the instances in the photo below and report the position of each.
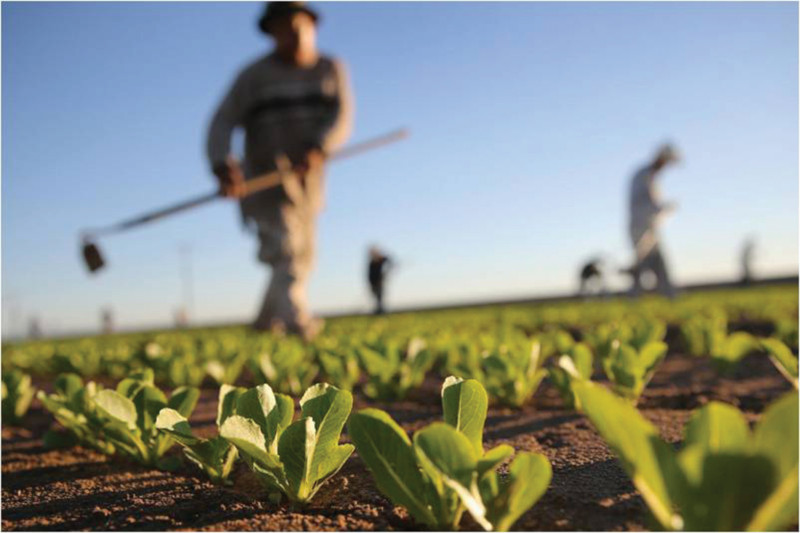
(94, 259)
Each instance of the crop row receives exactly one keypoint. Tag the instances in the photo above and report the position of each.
(725, 476)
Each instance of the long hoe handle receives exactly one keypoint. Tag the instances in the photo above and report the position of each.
(259, 183)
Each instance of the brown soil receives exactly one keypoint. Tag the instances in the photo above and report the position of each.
(78, 489)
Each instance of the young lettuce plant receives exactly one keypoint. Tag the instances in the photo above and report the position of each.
(581, 358)
(782, 357)
(286, 365)
(725, 477)
(391, 371)
(291, 458)
(512, 379)
(17, 395)
(730, 349)
(702, 332)
(73, 406)
(630, 370)
(129, 415)
(444, 471)
(338, 368)
(215, 456)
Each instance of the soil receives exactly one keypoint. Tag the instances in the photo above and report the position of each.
(79, 489)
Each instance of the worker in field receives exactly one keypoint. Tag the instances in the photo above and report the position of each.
(591, 278)
(747, 261)
(294, 105)
(379, 266)
(646, 213)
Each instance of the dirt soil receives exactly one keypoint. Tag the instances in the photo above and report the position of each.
(79, 489)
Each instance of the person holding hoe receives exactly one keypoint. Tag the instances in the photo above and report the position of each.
(294, 105)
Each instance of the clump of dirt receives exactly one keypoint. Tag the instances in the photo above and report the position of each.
(81, 489)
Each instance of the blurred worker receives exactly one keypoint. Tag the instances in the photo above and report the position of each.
(293, 103)
(591, 278)
(747, 261)
(379, 266)
(34, 328)
(107, 320)
(647, 212)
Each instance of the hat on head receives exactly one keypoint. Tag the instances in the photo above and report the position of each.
(276, 10)
(668, 153)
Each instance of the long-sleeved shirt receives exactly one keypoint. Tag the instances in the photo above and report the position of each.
(645, 208)
(284, 110)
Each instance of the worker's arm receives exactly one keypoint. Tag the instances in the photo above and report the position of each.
(337, 123)
(228, 116)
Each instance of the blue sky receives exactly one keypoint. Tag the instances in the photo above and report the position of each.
(527, 122)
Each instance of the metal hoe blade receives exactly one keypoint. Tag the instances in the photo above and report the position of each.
(92, 256)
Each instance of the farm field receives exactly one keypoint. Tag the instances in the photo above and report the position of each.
(713, 351)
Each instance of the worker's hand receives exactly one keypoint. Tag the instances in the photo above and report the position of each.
(231, 178)
(312, 162)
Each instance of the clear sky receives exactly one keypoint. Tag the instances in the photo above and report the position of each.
(527, 123)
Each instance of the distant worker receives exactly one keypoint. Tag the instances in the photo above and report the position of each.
(379, 265)
(293, 103)
(747, 261)
(591, 278)
(34, 328)
(107, 321)
(646, 213)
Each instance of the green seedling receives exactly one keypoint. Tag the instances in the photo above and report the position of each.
(128, 416)
(443, 470)
(513, 378)
(291, 458)
(724, 478)
(391, 372)
(730, 349)
(338, 368)
(73, 406)
(17, 396)
(580, 356)
(630, 370)
(285, 365)
(215, 456)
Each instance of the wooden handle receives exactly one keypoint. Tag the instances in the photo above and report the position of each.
(274, 178)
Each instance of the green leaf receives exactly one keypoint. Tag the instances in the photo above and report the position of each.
(329, 407)
(776, 434)
(783, 358)
(718, 428)
(177, 426)
(529, 476)
(387, 452)
(450, 462)
(184, 400)
(636, 443)
(722, 490)
(582, 356)
(117, 407)
(148, 401)
(296, 450)
(67, 385)
(780, 509)
(226, 406)
(272, 412)
(246, 435)
(493, 458)
(448, 450)
(465, 405)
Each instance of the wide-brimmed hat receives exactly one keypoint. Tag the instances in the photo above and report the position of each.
(276, 10)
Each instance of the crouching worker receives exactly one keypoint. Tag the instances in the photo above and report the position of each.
(294, 106)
